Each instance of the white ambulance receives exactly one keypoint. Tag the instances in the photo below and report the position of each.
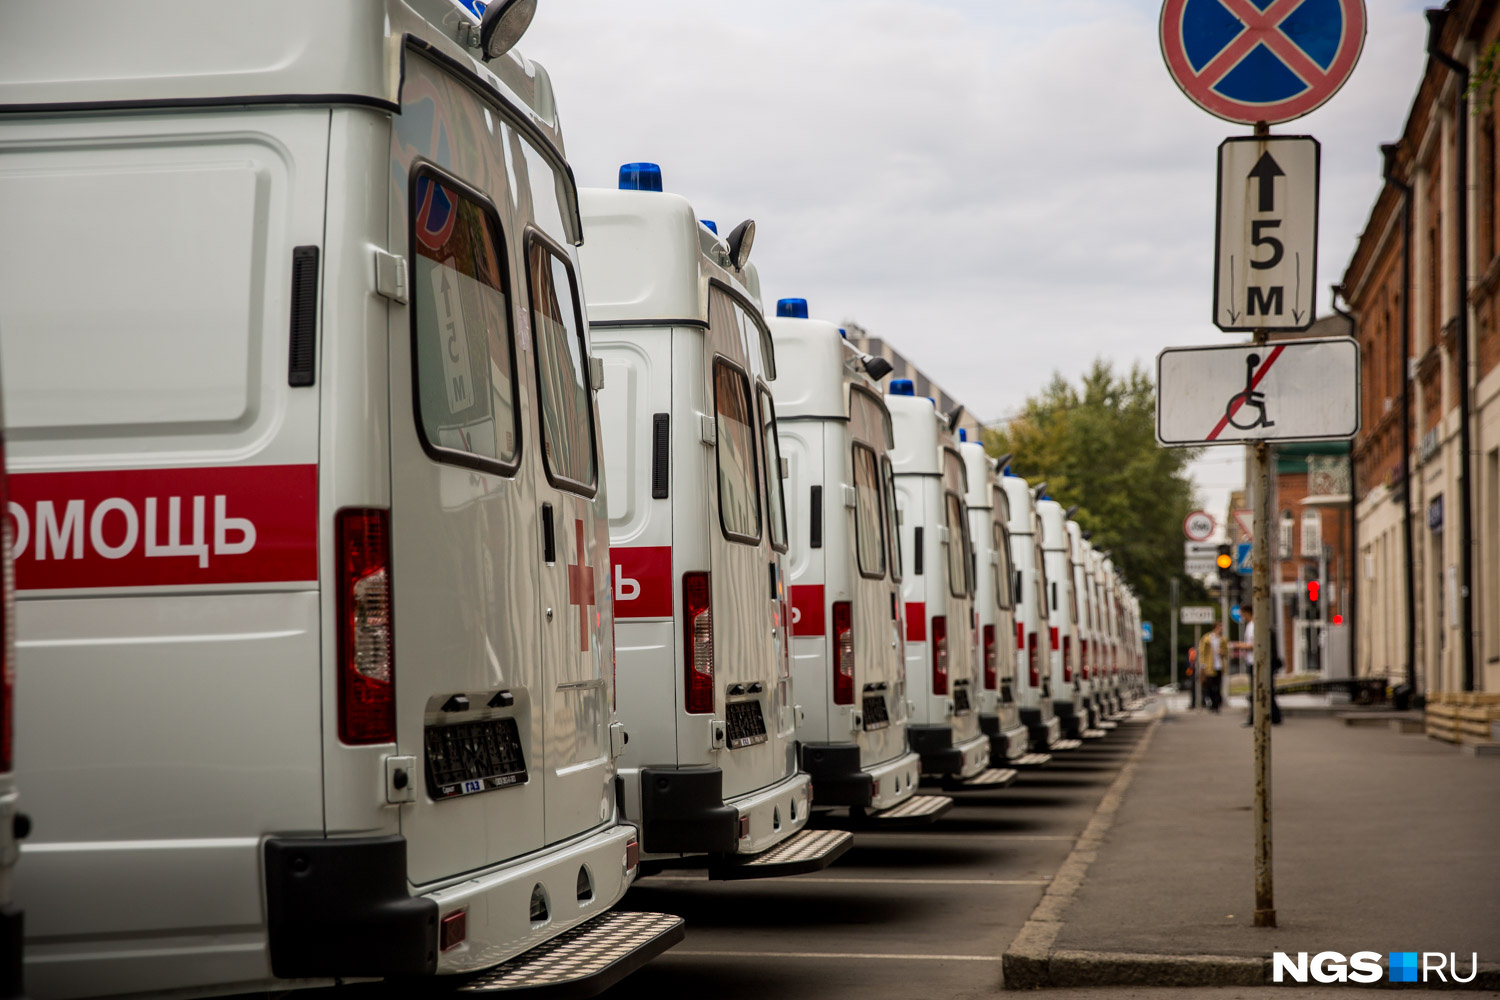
(937, 590)
(1033, 668)
(308, 509)
(994, 610)
(1088, 626)
(1062, 617)
(698, 535)
(1113, 640)
(844, 565)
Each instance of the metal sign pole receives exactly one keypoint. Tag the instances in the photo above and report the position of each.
(1261, 680)
(1173, 586)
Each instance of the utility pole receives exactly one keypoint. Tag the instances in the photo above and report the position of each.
(1261, 680)
(1172, 587)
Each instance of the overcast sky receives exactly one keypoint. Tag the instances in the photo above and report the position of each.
(999, 188)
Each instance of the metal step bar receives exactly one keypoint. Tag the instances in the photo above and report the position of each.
(1065, 745)
(990, 777)
(584, 961)
(805, 851)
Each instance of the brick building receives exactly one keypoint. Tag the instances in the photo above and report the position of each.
(1422, 284)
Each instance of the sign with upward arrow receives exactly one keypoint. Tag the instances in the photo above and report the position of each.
(1266, 252)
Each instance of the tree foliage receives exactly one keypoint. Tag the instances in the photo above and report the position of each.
(1094, 445)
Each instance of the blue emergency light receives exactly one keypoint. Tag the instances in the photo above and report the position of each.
(792, 308)
(903, 387)
(963, 435)
(640, 177)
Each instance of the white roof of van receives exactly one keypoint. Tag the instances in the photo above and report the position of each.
(920, 434)
(981, 474)
(1054, 524)
(89, 54)
(814, 364)
(1022, 504)
(646, 258)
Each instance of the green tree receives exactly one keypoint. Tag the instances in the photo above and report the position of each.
(1094, 445)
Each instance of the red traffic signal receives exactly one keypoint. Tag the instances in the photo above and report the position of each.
(1312, 591)
(1338, 619)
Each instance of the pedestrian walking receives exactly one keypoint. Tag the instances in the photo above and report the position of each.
(1213, 654)
(1247, 647)
(1190, 678)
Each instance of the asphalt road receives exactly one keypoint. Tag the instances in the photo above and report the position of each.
(916, 913)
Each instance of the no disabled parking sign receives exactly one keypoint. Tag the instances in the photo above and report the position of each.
(1266, 61)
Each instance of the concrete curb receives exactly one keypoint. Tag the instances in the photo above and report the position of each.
(1026, 964)
(1031, 962)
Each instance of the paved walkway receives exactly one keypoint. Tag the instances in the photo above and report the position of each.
(1383, 842)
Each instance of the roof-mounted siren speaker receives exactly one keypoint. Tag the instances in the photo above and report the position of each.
(1071, 511)
(1088, 536)
(953, 416)
(503, 24)
(741, 239)
(877, 368)
(1040, 491)
(1003, 462)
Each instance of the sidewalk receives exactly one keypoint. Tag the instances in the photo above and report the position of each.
(1383, 842)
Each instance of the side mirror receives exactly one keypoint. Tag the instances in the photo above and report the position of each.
(502, 26)
(741, 239)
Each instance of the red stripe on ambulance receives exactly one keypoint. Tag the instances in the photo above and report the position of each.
(165, 527)
(642, 580)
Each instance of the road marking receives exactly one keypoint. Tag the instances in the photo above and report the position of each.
(825, 955)
(879, 881)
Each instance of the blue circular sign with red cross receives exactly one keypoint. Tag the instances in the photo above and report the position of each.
(1261, 60)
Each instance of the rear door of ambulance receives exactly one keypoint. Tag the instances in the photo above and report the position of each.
(471, 691)
(162, 418)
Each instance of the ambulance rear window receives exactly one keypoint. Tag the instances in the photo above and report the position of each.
(958, 547)
(739, 487)
(869, 538)
(776, 505)
(461, 328)
(1002, 566)
(562, 371)
(893, 516)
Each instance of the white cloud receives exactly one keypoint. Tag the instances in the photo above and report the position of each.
(1001, 188)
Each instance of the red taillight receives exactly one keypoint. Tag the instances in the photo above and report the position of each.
(940, 655)
(991, 674)
(632, 854)
(7, 627)
(1067, 661)
(367, 652)
(1031, 664)
(1020, 635)
(698, 629)
(843, 653)
(1052, 635)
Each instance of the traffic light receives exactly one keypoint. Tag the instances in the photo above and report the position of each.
(1312, 599)
(1225, 562)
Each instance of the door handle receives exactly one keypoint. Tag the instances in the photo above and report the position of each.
(549, 537)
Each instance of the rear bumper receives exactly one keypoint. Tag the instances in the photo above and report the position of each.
(1042, 732)
(839, 780)
(683, 811)
(940, 755)
(341, 907)
(1069, 723)
(1005, 744)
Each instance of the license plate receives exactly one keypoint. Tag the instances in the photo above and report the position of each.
(876, 716)
(961, 698)
(472, 757)
(746, 726)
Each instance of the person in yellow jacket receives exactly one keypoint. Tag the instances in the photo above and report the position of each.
(1212, 650)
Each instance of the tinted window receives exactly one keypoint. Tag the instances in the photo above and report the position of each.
(869, 533)
(958, 547)
(562, 372)
(771, 444)
(461, 328)
(1002, 566)
(893, 519)
(739, 489)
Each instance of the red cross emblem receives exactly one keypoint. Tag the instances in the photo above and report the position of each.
(581, 589)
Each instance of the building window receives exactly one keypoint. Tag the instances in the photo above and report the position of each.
(1312, 534)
